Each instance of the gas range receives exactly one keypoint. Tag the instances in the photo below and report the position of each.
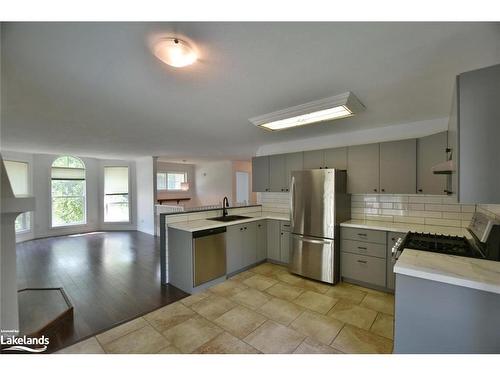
(484, 242)
(437, 243)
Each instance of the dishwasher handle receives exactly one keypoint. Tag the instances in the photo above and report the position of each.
(208, 232)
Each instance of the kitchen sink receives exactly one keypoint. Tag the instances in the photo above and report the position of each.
(229, 218)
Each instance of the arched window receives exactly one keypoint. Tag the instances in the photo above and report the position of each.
(68, 188)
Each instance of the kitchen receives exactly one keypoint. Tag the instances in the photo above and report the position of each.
(416, 209)
(343, 211)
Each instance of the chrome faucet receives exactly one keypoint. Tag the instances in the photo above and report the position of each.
(225, 203)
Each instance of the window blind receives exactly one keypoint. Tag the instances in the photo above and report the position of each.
(115, 180)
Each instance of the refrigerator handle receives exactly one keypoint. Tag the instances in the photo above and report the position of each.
(292, 201)
(312, 240)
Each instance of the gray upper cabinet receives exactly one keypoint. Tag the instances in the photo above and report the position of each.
(280, 170)
(260, 173)
(277, 172)
(478, 136)
(314, 159)
(293, 162)
(398, 163)
(431, 150)
(336, 158)
(329, 158)
(363, 169)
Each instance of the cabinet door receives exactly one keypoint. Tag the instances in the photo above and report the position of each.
(478, 135)
(293, 162)
(431, 150)
(392, 237)
(277, 172)
(261, 240)
(234, 248)
(398, 167)
(260, 173)
(336, 158)
(363, 169)
(285, 247)
(273, 240)
(314, 159)
(249, 244)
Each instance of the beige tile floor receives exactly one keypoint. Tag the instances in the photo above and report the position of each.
(263, 310)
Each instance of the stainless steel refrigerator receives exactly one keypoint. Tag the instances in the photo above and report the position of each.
(319, 203)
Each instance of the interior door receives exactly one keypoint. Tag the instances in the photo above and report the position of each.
(312, 202)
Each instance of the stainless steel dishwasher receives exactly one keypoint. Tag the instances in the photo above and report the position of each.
(209, 255)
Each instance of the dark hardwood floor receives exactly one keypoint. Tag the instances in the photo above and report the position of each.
(109, 277)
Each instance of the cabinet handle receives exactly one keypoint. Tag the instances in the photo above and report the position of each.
(361, 248)
(362, 234)
(383, 190)
(362, 261)
(375, 190)
(420, 190)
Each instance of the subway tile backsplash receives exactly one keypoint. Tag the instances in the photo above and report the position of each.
(415, 209)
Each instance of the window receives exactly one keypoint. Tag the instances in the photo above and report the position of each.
(171, 181)
(17, 172)
(116, 203)
(68, 188)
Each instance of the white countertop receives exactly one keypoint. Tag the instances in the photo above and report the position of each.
(202, 224)
(467, 272)
(405, 227)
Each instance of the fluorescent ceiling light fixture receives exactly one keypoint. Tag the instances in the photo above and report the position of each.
(174, 52)
(332, 108)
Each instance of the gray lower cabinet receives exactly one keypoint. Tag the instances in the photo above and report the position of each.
(366, 269)
(431, 150)
(363, 256)
(261, 228)
(260, 173)
(434, 317)
(392, 237)
(273, 240)
(234, 248)
(278, 240)
(336, 158)
(398, 164)
(363, 169)
(241, 246)
(285, 242)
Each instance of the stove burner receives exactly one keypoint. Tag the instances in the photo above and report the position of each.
(451, 245)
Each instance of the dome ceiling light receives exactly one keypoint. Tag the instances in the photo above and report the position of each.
(174, 52)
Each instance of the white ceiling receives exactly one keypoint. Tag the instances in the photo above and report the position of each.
(94, 89)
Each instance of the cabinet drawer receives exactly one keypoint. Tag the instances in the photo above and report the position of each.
(364, 248)
(363, 268)
(375, 236)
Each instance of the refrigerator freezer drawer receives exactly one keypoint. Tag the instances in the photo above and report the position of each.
(314, 258)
